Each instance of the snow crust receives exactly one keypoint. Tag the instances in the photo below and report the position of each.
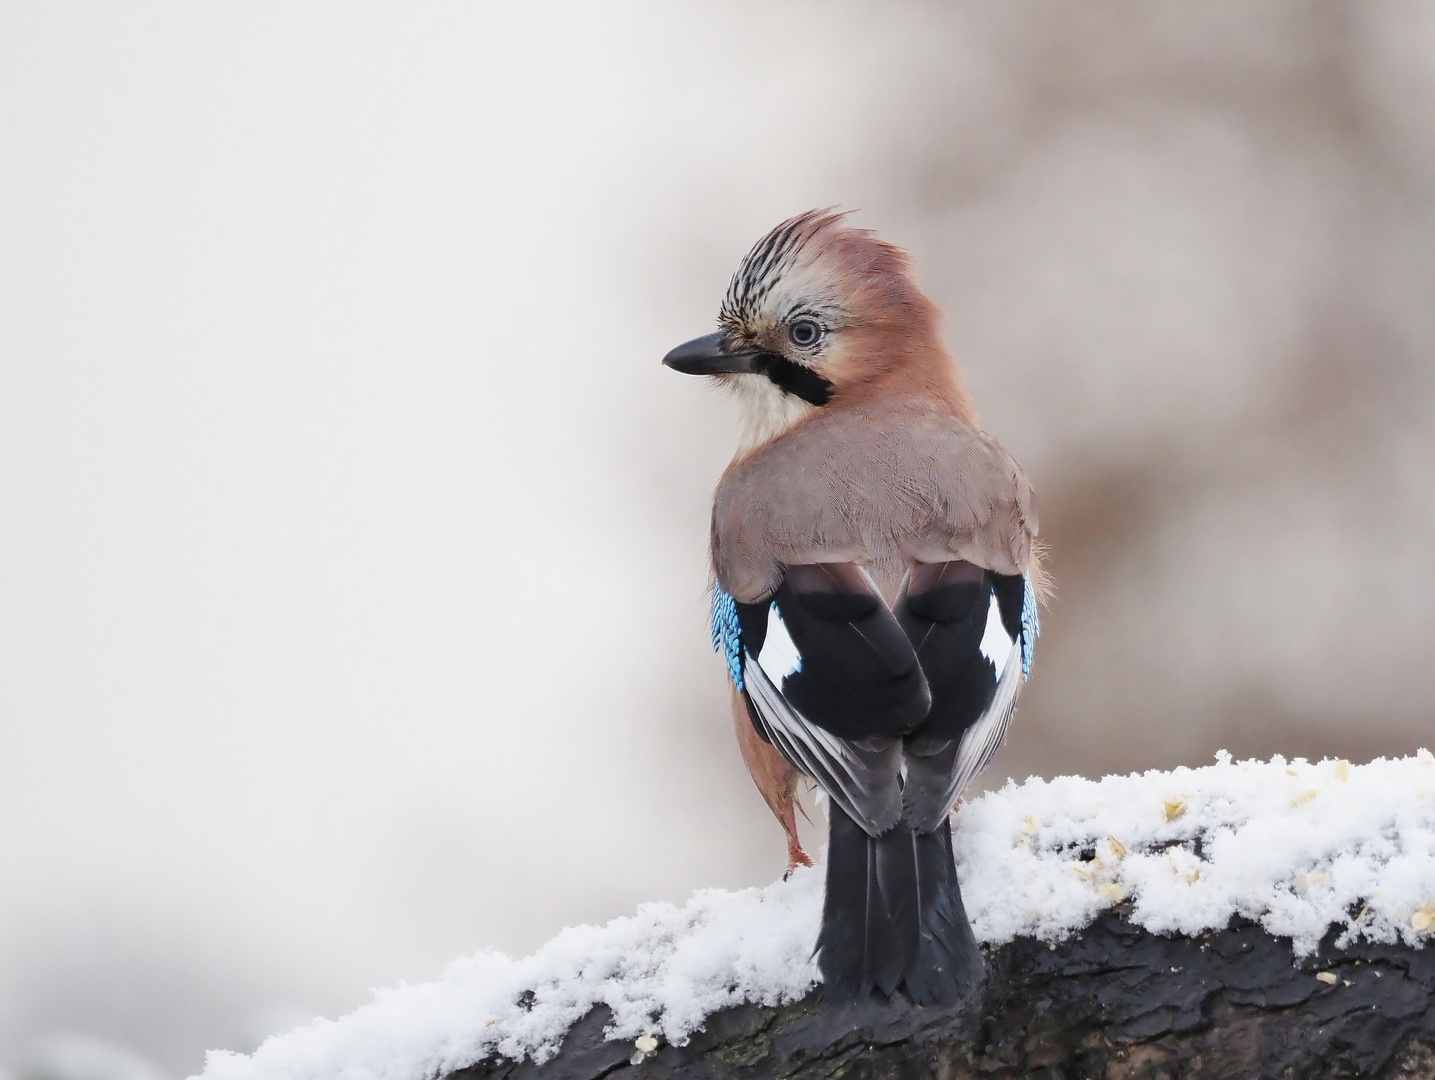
(1296, 846)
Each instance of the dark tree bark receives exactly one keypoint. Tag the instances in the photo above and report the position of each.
(1114, 1002)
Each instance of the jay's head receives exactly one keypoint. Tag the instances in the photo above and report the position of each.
(817, 312)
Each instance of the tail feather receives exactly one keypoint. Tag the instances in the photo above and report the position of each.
(893, 916)
(857, 948)
(942, 961)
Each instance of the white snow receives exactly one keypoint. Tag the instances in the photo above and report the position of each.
(662, 971)
(1298, 847)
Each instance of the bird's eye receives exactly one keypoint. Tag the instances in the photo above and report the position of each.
(804, 332)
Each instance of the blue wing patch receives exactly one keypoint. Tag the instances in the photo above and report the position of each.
(727, 633)
(1030, 627)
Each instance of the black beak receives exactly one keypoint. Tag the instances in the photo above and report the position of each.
(707, 356)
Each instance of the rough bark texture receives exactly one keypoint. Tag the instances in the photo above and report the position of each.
(1115, 1002)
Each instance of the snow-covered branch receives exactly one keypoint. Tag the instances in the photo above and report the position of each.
(1197, 871)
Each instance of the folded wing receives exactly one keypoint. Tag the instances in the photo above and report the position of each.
(891, 712)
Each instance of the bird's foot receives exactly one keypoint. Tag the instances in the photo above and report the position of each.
(795, 857)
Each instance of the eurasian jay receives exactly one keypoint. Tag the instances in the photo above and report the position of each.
(876, 588)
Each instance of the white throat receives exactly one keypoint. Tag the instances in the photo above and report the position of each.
(764, 411)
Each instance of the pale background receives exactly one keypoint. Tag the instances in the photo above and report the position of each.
(352, 539)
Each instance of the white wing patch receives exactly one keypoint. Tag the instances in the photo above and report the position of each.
(996, 643)
(778, 656)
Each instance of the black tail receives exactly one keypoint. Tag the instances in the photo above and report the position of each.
(857, 948)
(918, 874)
(893, 916)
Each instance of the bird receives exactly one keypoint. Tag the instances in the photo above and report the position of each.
(877, 578)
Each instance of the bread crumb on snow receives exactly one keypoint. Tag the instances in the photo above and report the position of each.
(1296, 846)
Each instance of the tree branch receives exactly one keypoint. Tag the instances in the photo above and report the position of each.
(1113, 1001)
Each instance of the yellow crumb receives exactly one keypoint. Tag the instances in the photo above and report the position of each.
(1423, 921)
(1174, 808)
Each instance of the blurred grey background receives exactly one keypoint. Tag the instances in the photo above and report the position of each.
(352, 556)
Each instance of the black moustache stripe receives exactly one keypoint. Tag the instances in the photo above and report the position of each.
(795, 379)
